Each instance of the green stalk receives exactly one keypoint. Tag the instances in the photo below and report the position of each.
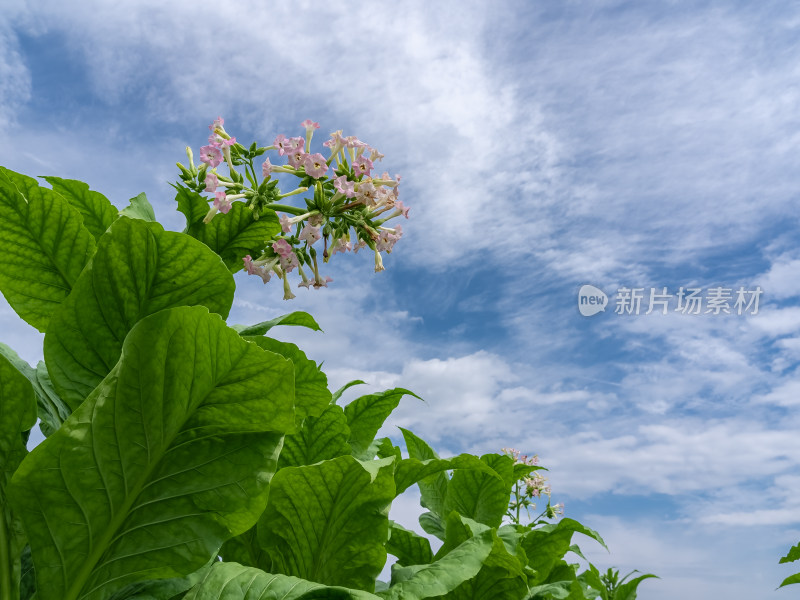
(292, 210)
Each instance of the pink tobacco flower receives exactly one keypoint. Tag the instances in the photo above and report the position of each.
(362, 166)
(309, 234)
(309, 125)
(343, 186)
(367, 192)
(400, 209)
(306, 281)
(282, 247)
(315, 165)
(248, 265)
(266, 169)
(336, 143)
(222, 203)
(374, 154)
(295, 157)
(320, 282)
(286, 224)
(352, 141)
(211, 182)
(282, 144)
(289, 262)
(340, 245)
(218, 123)
(387, 239)
(210, 155)
(256, 268)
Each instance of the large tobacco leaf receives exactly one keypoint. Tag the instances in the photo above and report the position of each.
(17, 415)
(166, 459)
(443, 576)
(407, 546)
(97, 211)
(51, 409)
(232, 581)
(482, 494)
(546, 545)
(311, 394)
(139, 269)
(366, 414)
(502, 574)
(139, 208)
(297, 318)
(329, 522)
(45, 247)
(319, 438)
(433, 488)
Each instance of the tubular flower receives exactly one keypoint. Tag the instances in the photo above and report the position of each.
(347, 204)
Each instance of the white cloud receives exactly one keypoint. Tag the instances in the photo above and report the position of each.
(15, 79)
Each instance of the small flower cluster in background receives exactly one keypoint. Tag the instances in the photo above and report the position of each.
(531, 485)
(348, 211)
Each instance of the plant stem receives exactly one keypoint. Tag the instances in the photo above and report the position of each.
(292, 210)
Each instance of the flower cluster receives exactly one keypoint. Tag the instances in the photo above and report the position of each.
(347, 212)
(529, 486)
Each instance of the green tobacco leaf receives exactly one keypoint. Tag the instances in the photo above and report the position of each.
(51, 409)
(191, 204)
(245, 550)
(547, 545)
(162, 589)
(550, 591)
(319, 438)
(627, 591)
(407, 546)
(45, 247)
(27, 583)
(482, 495)
(17, 415)
(167, 458)
(311, 394)
(502, 576)
(328, 522)
(236, 234)
(384, 448)
(297, 318)
(338, 393)
(97, 211)
(139, 208)
(443, 576)
(791, 580)
(433, 488)
(433, 524)
(411, 470)
(590, 577)
(366, 414)
(792, 555)
(139, 269)
(232, 581)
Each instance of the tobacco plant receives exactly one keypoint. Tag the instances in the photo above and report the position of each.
(188, 458)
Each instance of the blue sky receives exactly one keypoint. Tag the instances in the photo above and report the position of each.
(542, 146)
